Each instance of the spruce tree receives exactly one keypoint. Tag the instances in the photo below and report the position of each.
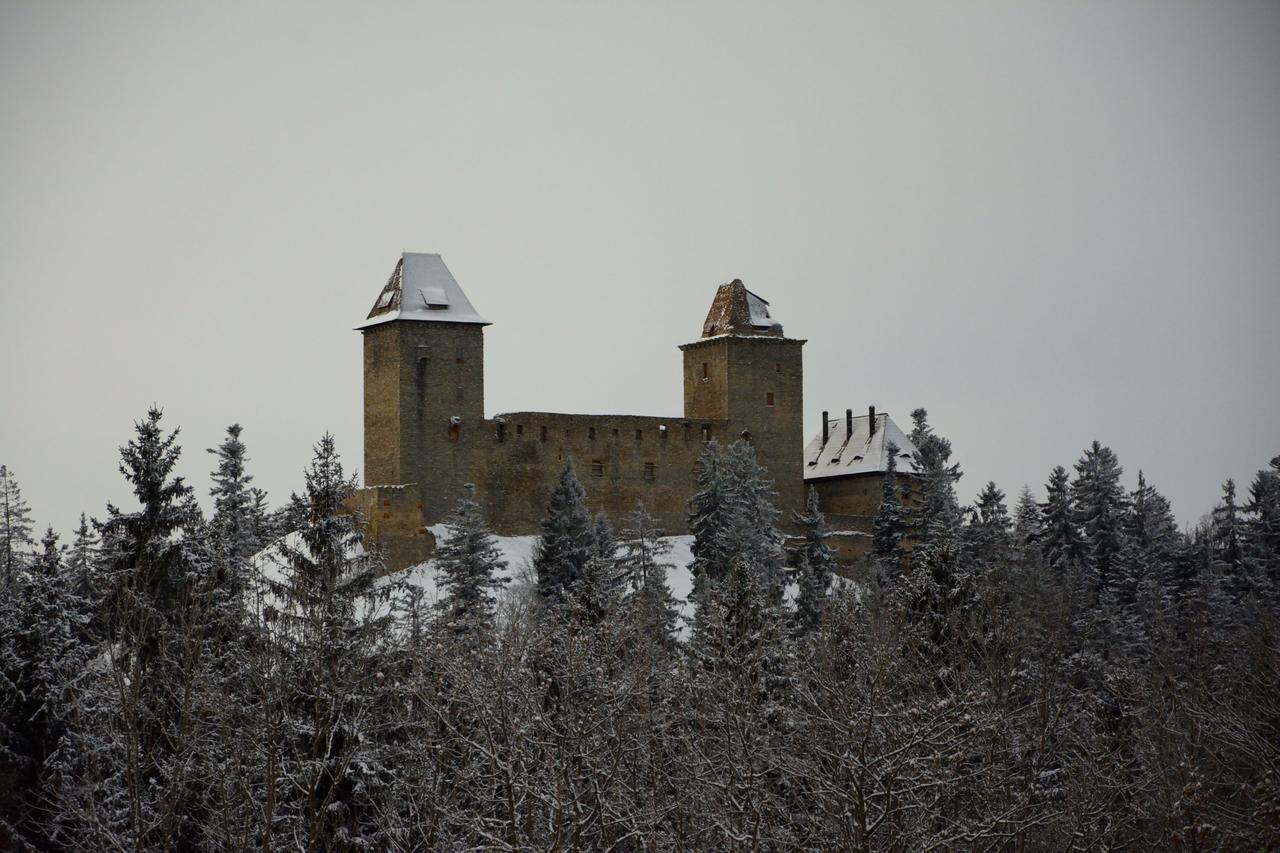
(1227, 537)
(643, 571)
(1100, 509)
(468, 564)
(891, 519)
(235, 529)
(1262, 547)
(40, 655)
(16, 543)
(938, 516)
(1059, 535)
(814, 564)
(336, 628)
(568, 539)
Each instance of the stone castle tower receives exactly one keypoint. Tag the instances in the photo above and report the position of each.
(427, 439)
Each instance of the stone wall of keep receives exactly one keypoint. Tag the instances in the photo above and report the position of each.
(394, 521)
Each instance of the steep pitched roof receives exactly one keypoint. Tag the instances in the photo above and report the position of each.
(737, 311)
(422, 288)
(862, 452)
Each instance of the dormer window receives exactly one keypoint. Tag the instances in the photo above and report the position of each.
(434, 298)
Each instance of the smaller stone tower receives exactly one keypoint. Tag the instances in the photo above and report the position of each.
(423, 384)
(745, 372)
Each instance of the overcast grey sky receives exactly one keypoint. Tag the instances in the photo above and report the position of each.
(1045, 222)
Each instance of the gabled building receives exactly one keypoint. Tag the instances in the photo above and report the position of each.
(846, 463)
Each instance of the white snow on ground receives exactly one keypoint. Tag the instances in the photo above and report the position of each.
(518, 552)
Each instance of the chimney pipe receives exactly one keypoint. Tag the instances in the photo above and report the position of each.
(826, 429)
(848, 424)
(871, 417)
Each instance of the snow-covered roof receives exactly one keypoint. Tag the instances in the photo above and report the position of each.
(422, 288)
(863, 452)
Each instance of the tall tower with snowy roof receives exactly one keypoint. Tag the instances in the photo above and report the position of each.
(745, 371)
(423, 382)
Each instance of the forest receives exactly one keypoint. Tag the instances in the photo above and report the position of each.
(1076, 673)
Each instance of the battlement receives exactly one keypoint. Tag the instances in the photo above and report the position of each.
(425, 424)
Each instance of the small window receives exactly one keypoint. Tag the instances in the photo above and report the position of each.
(746, 436)
(519, 429)
(597, 468)
(777, 368)
(649, 470)
(615, 432)
(542, 433)
(704, 370)
(768, 398)
(568, 435)
(459, 360)
(460, 392)
(706, 432)
(639, 435)
(662, 430)
(591, 433)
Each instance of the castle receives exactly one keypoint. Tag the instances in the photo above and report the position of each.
(427, 440)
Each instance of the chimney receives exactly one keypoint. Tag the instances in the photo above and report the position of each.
(871, 418)
(826, 430)
(848, 424)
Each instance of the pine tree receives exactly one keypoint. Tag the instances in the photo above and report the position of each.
(1028, 525)
(158, 590)
(814, 563)
(989, 536)
(236, 524)
(16, 543)
(891, 520)
(643, 572)
(336, 628)
(1059, 536)
(939, 512)
(709, 506)
(468, 564)
(1227, 539)
(40, 654)
(1100, 509)
(568, 539)
(1263, 529)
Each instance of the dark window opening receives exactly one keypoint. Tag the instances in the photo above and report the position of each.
(597, 468)
(502, 433)
(519, 429)
(649, 470)
(768, 398)
(746, 436)
(460, 392)
(542, 433)
(455, 432)
(706, 432)
(591, 433)
(639, 435)
(704, 370)
(777, 368)
(615, 432)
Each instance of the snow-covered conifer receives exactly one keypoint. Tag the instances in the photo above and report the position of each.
(814, 563)
(40, 654)
(1100, 508)
(567, 541)
(468, 564)
(891, 519)
(1059, 534)
(16, 543)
